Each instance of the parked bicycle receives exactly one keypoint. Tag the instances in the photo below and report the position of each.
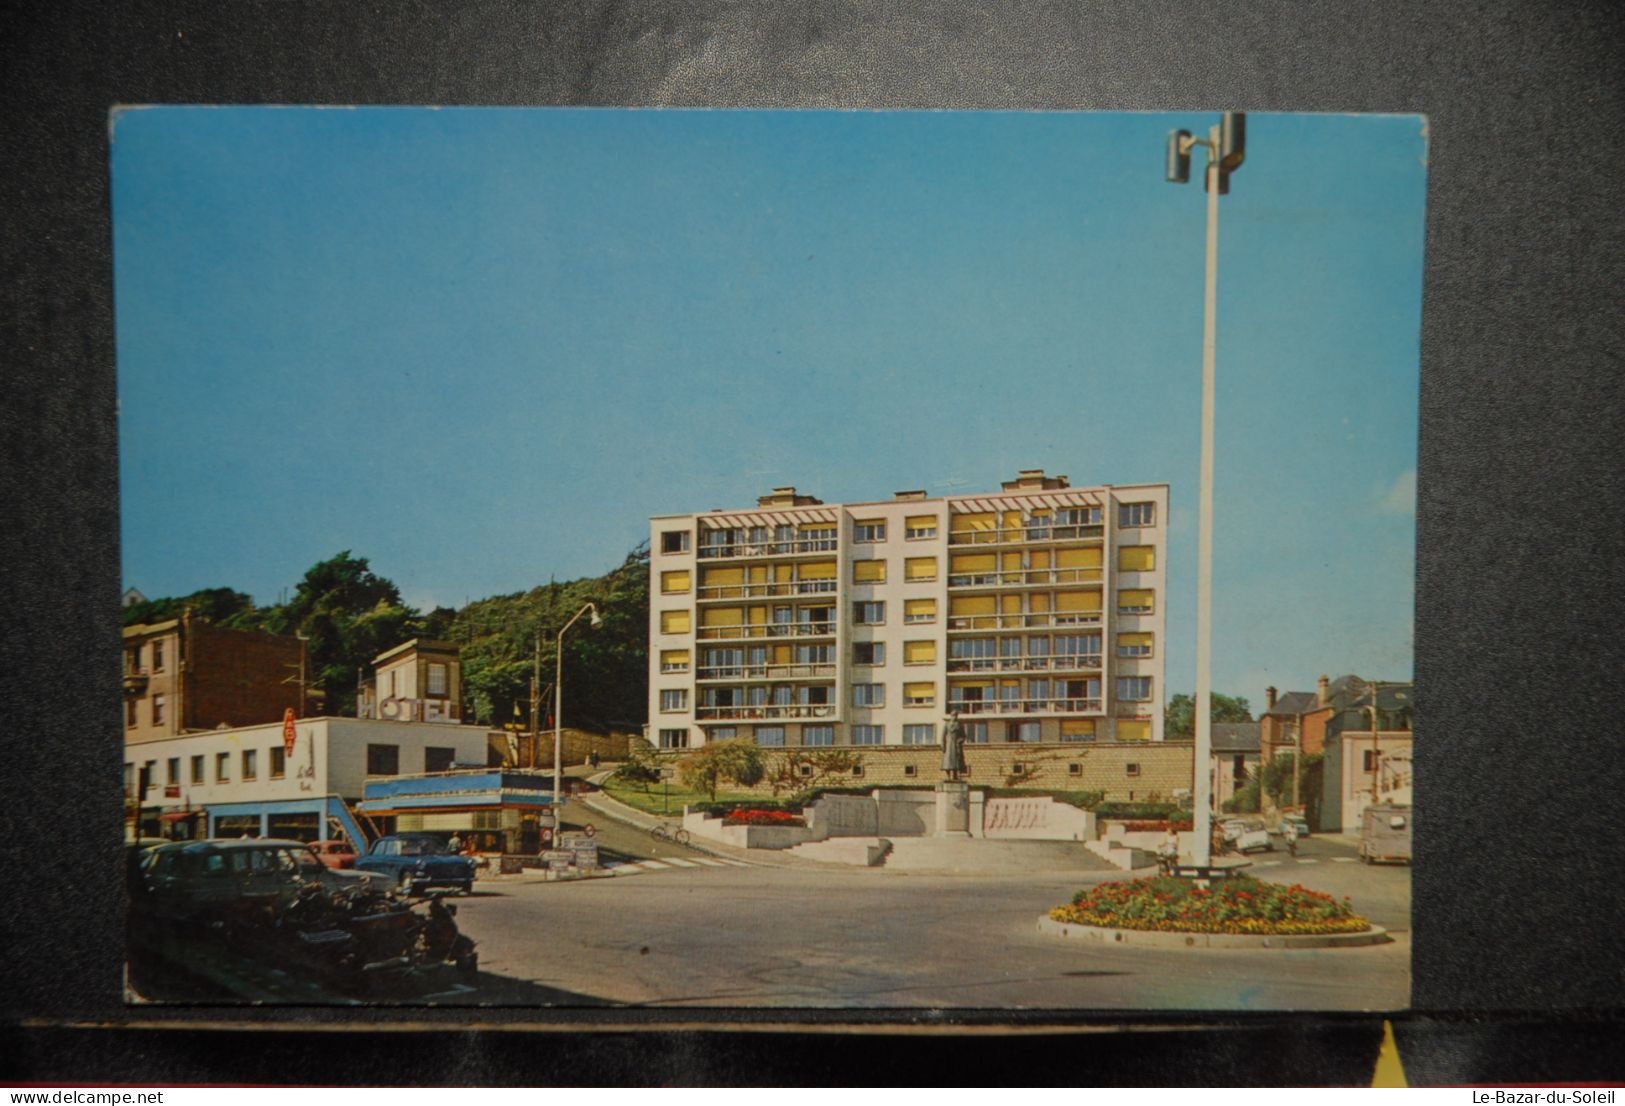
(667, 831)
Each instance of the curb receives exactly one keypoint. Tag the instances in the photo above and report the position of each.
(1376, 935)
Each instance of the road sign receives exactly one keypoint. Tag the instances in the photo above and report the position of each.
(290, 732)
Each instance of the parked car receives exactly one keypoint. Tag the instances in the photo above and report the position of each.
(1385, 834)
(418, 862)
(1301, 826)
(1230, 829)
(334, 854)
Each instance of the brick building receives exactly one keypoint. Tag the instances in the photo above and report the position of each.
(185, 675)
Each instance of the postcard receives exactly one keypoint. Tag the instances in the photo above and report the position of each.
(727, 559)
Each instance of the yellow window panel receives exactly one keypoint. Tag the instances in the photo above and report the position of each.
(1077, 727)
(1012, 520)
(1041, 513)
(1040, 558)
(1009, 683)
(920, 568)
(1012, 561)
(672, 583)
(756, 616)
(920, 522)
(985, 685)
(674, 622)
(919, 608)
(926, 691)
(1077, 601)
(1129, 730)
(984, 520)
(868, 572)
(1136, 599)
(816, 570)
(1078, 558)
(1011, 604)
(966, 563)
(782, 573)
(672, 658)
(722, 616)
(721, 577)
(919, 652)
(758, 574)
(1136, 639)
(781, 654)
(1038, 603)
(1137, 558)
(970, 604)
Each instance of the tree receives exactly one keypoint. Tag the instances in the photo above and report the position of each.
(1179, 720)
(640, 767)
(733, 760)
(222, 606)
(802, 769)
(349, 614)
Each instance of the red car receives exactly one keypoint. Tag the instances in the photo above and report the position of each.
(334, 854)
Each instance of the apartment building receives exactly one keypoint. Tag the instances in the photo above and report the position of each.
(1036, 613)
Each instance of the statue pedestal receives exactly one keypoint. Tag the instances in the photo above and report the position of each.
(953, 809)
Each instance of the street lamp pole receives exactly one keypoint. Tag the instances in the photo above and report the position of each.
(1226, 147)
(558, 703)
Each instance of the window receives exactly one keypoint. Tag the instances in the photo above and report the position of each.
(1024, 731)
(129, 711)
(250, 764)
(868, 695)
(815, 654)
(721, 733)
(857, 770)
(1132, 768)
(278, 762)
(1077, 729)
(868, 614)
(674, 698)
(437, 679)
(770, 736)
(1136, 514)
(817, 538)
(868, 735)
(871, 531)
(222, 768)
(1136, 558)
(674, 541)
(919, 610)
(1074, 769)
(909, 770)
(438, 758)
(975, 733)
(674, 738)
(919, 652)
(804, 770)
(916, 527)
(1017, 768)
(1368, 761)
(674, 622)
(1135, 689)
(868, 572)
(922, 694)
(197, 769)
(172, 770)
(1134, 645)
(158, 656)
(1135, 601)
(920, 733)
(674, 660)
(816, 735)
(383, 760)
(674, 583)
(1133, 730)
(869, 652)
(920, 568)
(157, 710)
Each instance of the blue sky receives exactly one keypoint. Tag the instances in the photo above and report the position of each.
(482, 346)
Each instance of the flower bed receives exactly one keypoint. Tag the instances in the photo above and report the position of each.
(1241, 905)
(1161, 825)
(763, 818)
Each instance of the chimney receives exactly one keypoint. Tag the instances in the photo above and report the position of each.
(1269, 698)
(1028, 480)
(1325, 695)
(786, 497)
(912, 493)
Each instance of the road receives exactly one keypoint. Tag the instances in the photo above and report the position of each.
(785, 937)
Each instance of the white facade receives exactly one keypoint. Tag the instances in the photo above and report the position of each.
(802, 623)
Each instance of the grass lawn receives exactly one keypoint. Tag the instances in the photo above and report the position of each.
(656, 800)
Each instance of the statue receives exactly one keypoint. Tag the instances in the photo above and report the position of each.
(953, 747)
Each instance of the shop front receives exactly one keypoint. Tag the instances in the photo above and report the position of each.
(496, 812)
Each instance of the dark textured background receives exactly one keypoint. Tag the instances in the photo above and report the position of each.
(1519, 927)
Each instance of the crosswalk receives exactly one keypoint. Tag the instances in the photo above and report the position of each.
(638, 867)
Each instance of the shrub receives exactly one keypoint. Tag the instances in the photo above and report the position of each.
(764, 818)
(1242, 905)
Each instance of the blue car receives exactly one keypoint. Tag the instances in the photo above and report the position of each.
(418, 862)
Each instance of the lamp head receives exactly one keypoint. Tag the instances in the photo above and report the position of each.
(1179, 157)
(596, 621)
(1232, 140)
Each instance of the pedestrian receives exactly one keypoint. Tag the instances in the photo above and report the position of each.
(1168, 852)
(1292, 837)
(455, 845)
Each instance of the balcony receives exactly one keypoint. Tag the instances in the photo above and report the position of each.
(754, 630)
(1057, 663)
(1013, 535)
(766, 591)
(135, 684)
(792, 548)
(1025, 706)
(765, 712)
(1029, 621)
(768, 672)
(1025, 577)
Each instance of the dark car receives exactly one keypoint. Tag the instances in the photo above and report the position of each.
(418, 862)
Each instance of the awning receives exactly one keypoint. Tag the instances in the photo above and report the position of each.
(178, 815)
